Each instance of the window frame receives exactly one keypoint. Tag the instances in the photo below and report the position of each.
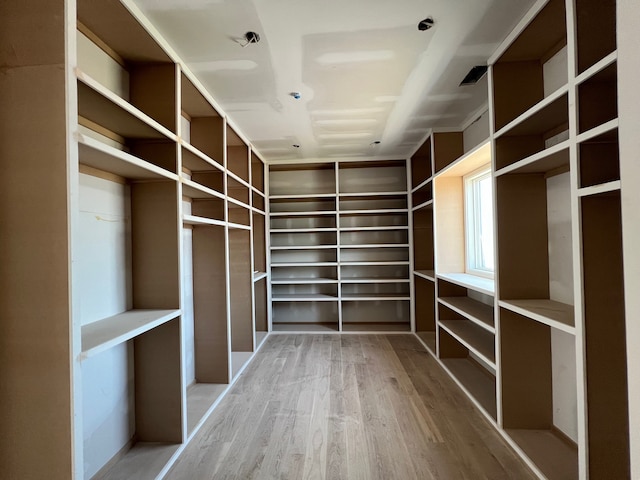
(472, 222)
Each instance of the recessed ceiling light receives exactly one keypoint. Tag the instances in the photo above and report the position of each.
(474, 75)
(375, 142)
(295, 145)
(296, 95)
(426, 24)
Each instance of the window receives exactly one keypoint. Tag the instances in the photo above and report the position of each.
(478, 192)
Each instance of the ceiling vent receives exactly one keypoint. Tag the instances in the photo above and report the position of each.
(474, 75)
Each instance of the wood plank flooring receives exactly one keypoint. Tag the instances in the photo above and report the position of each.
(346, 407)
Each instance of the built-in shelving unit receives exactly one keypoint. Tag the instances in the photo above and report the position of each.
(162, 307)
(339, 241)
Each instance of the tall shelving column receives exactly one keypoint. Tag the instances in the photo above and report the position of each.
(423, 253)
(36, 91)
(205, 317)
(374, 246)
(303, 232)
(557, 165)
(258, 232)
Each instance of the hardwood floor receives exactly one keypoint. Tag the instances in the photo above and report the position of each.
(346, 407)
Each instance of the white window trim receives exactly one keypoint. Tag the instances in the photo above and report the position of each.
(469, 222)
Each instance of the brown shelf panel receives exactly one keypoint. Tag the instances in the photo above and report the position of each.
(554, 456)
(480, 384)
(473, 337)
(474, 310)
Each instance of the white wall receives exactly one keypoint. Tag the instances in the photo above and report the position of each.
(629, 116)
(188, 334)
(104, 268)
(563, 348)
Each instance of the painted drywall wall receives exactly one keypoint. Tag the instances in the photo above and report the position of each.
(629, 116)
(563, 349)
(103, 257)
(188, 332)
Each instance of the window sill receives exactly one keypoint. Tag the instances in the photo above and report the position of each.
(473, 282)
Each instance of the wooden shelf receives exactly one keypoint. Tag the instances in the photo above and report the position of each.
(196, 220)
(201, 397)
(196, 160)
(429, 340)
(554, 314)
(472, 282)
(305, 327)
(144, 461)
(479, 383)
(380, 328)
(475, 338)
(478, 312)
(303, 297)
(192, 189)
(109, 332)
(553, 456)
(302, 281)
(426, 274)
(374, 280)
(302, 247)
(259, 276)
(100, 105)
(302, 214)
(374, 296)
(96, 154)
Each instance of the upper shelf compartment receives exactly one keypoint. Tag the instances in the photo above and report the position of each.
(533, 66)
(372, 177)
(117, 53)
(237, 156)
(595, 31)
(301, 180)
(201, 130)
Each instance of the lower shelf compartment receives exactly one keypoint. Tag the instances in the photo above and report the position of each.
(376, 327)
(429, 339)
(555, 456)
(200, 398)
(477, 381)
(238, 361)
(305, 327)
(144, 461)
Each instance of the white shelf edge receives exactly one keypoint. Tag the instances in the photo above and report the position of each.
(303, 196)
(123, 104)
(473, 282)
(462, 158)
(383, 228)
(111, 331)
(304, 298)
(201, 188)
(599, 130)
(488, 361)
(467, 315)
(373, 194)
(534, 316)
(195, 220)
(200, 154)
(597, 67)
(370, 298)
(304, 247)
(303, 214)
(422, 205)
(238, 179)
(374, 211)
(258, 211)
(238, 203)
(238, 226)
(305, 264)
(426, 276)
(258, 191)
(304, 281)
(357, 264)
(375, 280)
(301, 230)
(547, 152)
(598, 189)
(375, 245)
(422, 184)
(124, 157)
(259, 276)
(538, 107)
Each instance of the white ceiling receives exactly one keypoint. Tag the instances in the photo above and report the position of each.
(364, 70)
